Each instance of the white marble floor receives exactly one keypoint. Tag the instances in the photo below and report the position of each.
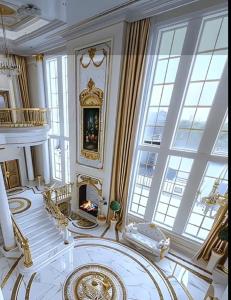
(143, 278)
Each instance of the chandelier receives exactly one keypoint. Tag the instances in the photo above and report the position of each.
(7, 66)
(215, 198)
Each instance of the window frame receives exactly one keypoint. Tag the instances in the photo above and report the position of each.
(62, 137)
(204, 154)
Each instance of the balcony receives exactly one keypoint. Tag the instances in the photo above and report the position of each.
(23, 126)
(23, 117)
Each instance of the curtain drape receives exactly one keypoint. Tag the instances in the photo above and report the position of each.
(23, 80)
(213, 241)
(128, 111)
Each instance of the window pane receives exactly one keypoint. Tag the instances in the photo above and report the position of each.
(221, 146)
(52, 89)
(65, 96)
(202, 216)
(173, 186)
(56, 158)
(67, 162)
(200, 90)
(143, 179)
(171, 43)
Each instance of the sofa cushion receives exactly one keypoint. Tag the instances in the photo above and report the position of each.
(144, 241)
(151, 230)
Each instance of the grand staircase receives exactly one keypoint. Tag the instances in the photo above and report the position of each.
(42, 236)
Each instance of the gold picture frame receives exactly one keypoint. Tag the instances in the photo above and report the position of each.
(91, 101)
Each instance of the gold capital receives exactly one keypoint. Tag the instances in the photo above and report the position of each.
(39, 57)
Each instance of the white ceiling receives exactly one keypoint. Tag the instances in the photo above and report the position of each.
(63, 20)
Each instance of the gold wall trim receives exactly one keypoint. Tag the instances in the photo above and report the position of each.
(91, 53)
(27, 296)
(9, 273)
(14, 294)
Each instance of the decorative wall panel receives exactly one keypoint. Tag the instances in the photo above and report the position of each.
(92, 76)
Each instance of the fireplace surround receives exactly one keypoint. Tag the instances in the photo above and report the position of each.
(90, 201)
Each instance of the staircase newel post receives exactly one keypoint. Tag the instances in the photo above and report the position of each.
(27, 255)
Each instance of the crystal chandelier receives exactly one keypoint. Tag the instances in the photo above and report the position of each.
(7, 66)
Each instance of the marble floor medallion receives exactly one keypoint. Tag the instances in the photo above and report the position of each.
(94, 282)
(83, 223)
(18, 205)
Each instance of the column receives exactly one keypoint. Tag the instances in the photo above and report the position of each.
(46, 162)
(41, 102)
(29, 164)
(42, 151)
(5, 218)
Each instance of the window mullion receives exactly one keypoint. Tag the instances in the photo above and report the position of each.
(190, 192)
(216, 116)
(174, 108)
(61, 117)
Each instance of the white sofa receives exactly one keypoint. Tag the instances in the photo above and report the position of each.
(147, 236)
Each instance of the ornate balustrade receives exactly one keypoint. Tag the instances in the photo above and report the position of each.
(54, 211)
(23, 117)
(24, 244)
(63, 192)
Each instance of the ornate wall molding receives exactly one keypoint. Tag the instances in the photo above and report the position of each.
(92, 74)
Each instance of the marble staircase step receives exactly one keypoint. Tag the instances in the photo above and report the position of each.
(46, 249)
(43, 239)
(30, 215)
(33, 230)
(40, 234)
(33, 222)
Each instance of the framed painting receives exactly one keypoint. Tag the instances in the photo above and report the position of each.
(91, 100)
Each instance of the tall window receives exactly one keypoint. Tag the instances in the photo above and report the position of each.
(183, 132)
(57, 97)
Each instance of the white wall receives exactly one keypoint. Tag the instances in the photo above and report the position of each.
(114, 33)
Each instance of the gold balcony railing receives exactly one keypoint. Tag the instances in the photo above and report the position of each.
(63, 192)
(24, 244)
(23, 117)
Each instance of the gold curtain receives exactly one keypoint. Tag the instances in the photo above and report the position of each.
(128, 110)
(213, 241)
(23, 80)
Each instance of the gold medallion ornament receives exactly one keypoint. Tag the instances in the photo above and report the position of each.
(91, 282)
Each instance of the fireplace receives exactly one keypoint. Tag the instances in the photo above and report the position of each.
(88, 200)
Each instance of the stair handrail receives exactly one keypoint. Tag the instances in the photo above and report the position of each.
(54, 210)
(24, 244)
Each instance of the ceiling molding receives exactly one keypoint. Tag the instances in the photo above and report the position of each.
(55, 24)
(57, 34)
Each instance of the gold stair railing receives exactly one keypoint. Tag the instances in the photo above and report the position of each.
(54, 210)
(23, 117)
(24, 244)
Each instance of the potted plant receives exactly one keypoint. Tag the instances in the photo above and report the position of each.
(115, 207)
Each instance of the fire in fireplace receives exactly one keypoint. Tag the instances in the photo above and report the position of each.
(89, 206)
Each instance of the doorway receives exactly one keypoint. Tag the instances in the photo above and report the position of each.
(10, 171)
(5, 115)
